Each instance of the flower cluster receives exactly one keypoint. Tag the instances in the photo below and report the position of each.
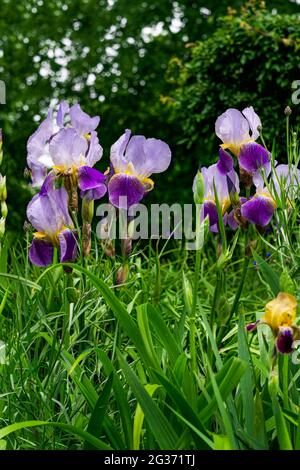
(61, 155)
(239, 132)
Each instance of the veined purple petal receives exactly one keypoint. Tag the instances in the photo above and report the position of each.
(253, 157)
(67, 148)
(285, 339)
(225, 163)
(41, 252)
(253, 120)
(258, 210)
(68, 246)
(91, 182)
(125, 190)
(81, 121)
(95, 151)
(62, 111)
(38, 175)
(232, 127)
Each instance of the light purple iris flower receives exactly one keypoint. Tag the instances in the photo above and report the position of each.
(213, 176)
(133, 160)
(238, 131)
(69, 146)
(260, 208)
(48, 214)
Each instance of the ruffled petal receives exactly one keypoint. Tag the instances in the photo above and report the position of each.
(253, 120)
(68, 246)
(117, 152)
(62, 111)
(41, 253)
(232, 127)
(258, 210)
(253, 157)
(285, 339)
(91, 182)
(81, 121)
(95, 151)
(67, 148)
(125, 190)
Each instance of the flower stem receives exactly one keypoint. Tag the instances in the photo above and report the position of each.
(193, 312)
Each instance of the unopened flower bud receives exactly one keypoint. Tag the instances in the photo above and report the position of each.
(3, 190)
(4, 210)
(1, 149)
(199, 188)
(126, 246)
(287, 111)
(2, 227)
(27, 226)
(122, 274)
(187, 294)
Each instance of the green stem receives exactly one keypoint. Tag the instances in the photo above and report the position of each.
(193, 312)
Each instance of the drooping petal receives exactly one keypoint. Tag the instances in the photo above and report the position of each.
(232, 127)
(225, 163)
(67, 148)
(231, 221)
(125, 190)
(62, 111)
(68, 246)
(285, 339)
(41, 252)
(253, 157)
(95, 151)
(117, 152)
(91, 182)
(258, 210)
(253, 120)
(81, 121)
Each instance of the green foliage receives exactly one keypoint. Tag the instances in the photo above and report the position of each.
(250, 60)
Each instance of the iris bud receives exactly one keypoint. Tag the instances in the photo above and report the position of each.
(2, 227)
(199, 188)
(4, 209)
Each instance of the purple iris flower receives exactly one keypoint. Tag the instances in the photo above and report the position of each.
(69, 146)
(48, 214)
(133, 160)
(238, 131)
(213, 176)
(260, 208)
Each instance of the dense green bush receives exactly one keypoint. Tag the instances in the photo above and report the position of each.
(251, 59)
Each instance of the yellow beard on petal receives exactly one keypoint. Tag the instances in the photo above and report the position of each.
(280, 311)
(50, 237)
(235, 147)
(148, 183)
